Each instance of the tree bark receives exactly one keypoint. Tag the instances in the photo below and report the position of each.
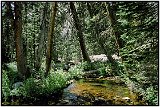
(43, 32)
(79, 32)
(21, 61)
(112, 17)
(50, 38)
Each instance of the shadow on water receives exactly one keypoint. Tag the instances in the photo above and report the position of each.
(52, 99)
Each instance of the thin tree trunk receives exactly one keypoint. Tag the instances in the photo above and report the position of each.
(50, 38)
(21, 61)
(43, 32)
(80, 34)
(112, 20)
(33, 42)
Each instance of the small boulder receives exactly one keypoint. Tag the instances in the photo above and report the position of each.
(126, 99)
(17, 85)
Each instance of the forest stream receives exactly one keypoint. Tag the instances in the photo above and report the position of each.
(99, 91)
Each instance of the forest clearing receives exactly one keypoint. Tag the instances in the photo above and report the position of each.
(79, 53)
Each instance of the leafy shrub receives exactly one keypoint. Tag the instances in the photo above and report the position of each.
(18, 92)
(151, 95)
(34, 87)
(12, 66)
(38, 74)
(43, 66)
(55, 81)
(120, 68)
(75, 72)
(12, 72)
(86, 66)
(102, 71)
(98, 64)
(93, 65)
(45, 86)
(105, 70)
(109, 71)
(5, 85)
(31, 87)
(58, 66)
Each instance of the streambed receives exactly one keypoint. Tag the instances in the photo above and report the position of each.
(99, 91)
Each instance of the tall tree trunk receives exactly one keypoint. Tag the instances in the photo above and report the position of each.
(50, 38)
(21, 61)
(43, 32)
(113, 24)
(79, 33)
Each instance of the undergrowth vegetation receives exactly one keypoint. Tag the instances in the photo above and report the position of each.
(36, 85)
(142, 82)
